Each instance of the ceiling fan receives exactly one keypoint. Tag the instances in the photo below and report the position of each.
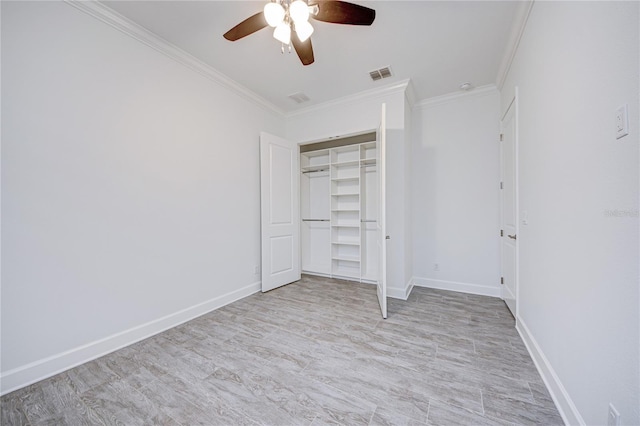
(292, 16)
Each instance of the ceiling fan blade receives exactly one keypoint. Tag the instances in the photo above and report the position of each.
(342, 12)
(248, 26)
(303, 49)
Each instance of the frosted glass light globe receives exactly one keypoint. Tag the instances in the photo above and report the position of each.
(282, 33)
(299, 11)
(273, 13)
(304, 30)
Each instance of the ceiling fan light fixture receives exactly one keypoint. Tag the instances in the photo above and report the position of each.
(273, 14)
(287, 16)
(299, 11)
(282, 33)
(304, 30)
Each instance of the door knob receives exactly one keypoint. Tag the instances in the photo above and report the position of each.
(513, 237)
(388, 238)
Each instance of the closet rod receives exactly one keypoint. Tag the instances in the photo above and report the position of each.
(316, 220)
(367, 165)
(315, 171)
(370, 220)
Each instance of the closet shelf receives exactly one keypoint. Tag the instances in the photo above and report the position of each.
(345, 225)
(346, 243)
(346, 163)
(345, 210)
(350, 194)
(347, 258)
(346, 179)
(315, 169)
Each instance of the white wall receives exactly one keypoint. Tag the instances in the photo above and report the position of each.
(355, 115)
(579, 290)
(456, 173)
(130, 190)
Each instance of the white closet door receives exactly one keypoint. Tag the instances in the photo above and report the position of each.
(382, 206)
(279, 203)
(509, 216)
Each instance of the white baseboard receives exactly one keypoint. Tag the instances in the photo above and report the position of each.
(313, 271)
(482, 290)
(39, 370)
(564, 403)
(401, 293)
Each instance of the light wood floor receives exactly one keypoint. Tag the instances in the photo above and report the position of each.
(314, 352)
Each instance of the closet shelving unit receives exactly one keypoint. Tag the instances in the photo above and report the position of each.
(345, 212)
(338, 210)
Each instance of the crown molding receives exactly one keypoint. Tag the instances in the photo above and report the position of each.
(366, 94)
(449, 97)
(109, 16)
(517, 30)
(411, 95)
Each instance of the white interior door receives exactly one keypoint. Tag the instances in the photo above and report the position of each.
(280, 209)
(509, 214)
(382, 212)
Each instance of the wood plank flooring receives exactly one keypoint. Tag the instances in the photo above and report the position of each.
(311, 353)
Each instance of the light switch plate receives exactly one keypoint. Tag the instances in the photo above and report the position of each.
(622, 121)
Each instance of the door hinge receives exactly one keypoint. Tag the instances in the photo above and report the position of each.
(501, 137)
(502, 233)
(501, 185)
(501, 280)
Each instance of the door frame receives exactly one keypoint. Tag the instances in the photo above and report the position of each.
(516, 177)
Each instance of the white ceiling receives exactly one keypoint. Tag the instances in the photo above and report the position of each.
(436, 44)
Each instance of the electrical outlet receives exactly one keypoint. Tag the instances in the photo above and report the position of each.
(256, 270)
(436, 267)
(613, 419)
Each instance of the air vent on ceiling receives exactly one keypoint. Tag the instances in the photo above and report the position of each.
(380, 73)
(299, 97)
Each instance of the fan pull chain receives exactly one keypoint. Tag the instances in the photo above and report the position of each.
(282, 48)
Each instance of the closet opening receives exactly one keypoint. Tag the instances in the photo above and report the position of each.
(339, 208)
(323, 210)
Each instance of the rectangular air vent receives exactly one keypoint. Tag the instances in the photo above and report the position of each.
(380, 73)
(299, 97)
